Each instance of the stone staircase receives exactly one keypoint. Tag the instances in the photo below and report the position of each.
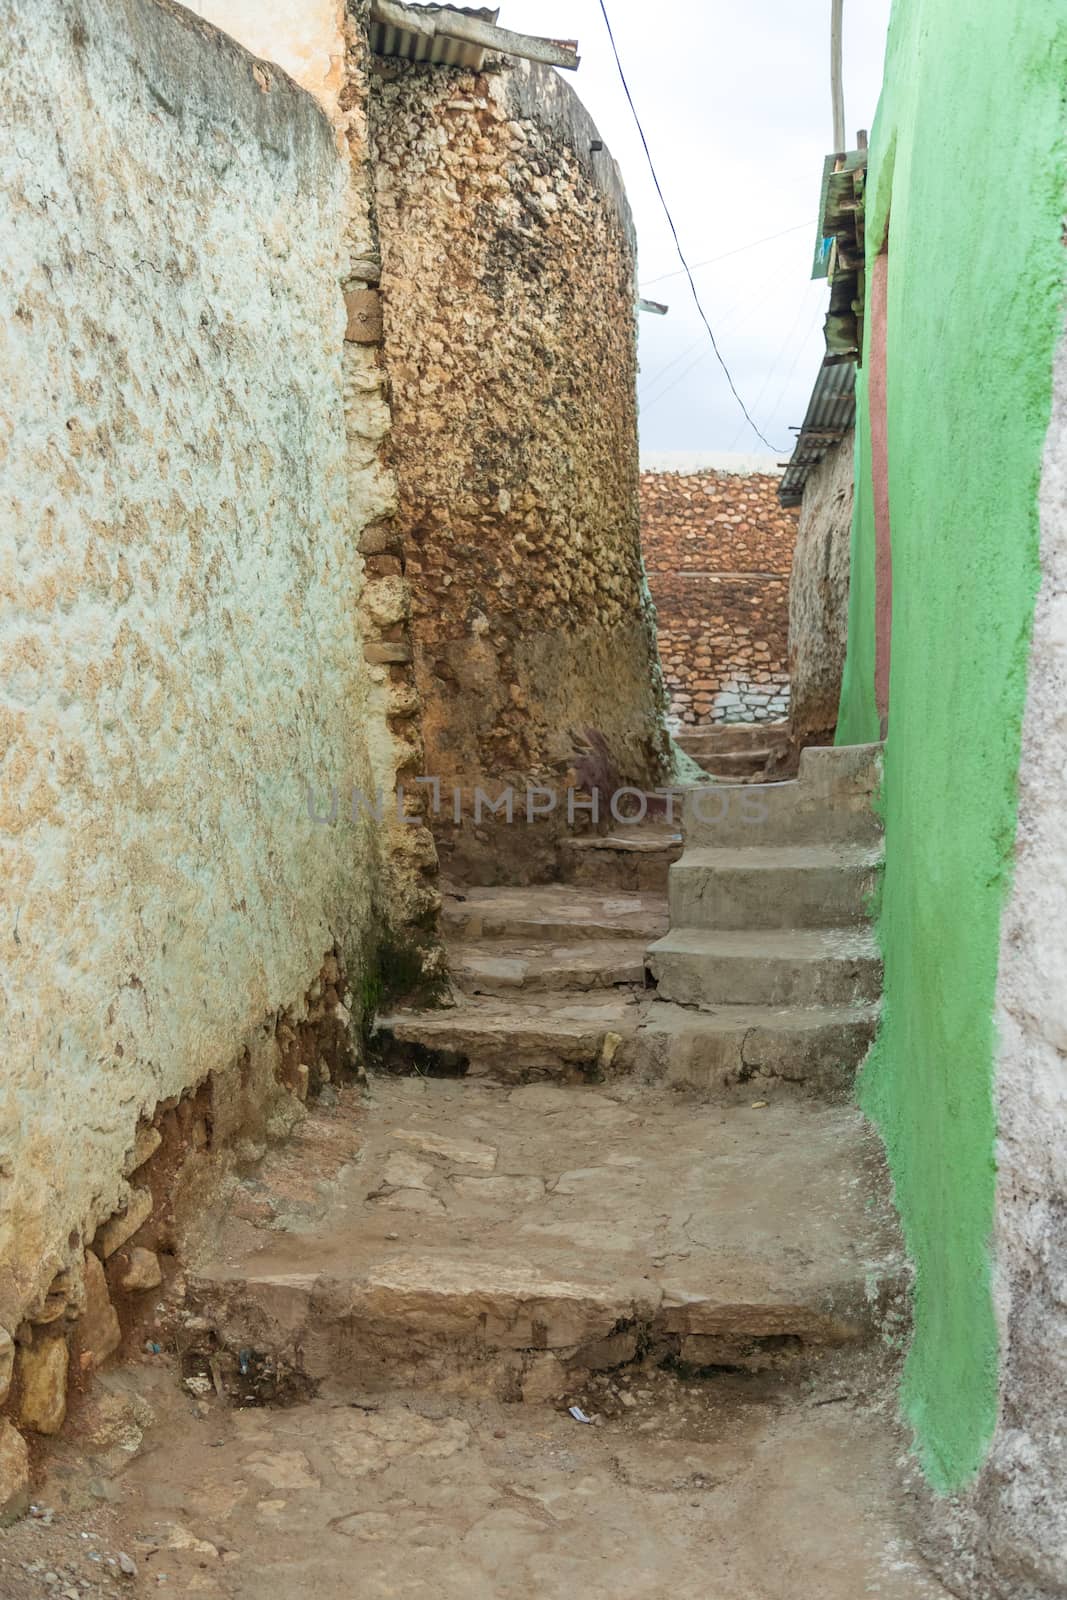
(735, 752)
(652, 1210)
(566, 1172)
(770, 956)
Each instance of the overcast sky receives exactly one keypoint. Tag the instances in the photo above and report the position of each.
(735, 102)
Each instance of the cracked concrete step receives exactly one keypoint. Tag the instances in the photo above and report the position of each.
(556, 912)
(707, 967)
(829, 802)
(636, 859)
(508, 967)
(791, 886)
(513, 1040)
(732, 1052)
(506, 1242)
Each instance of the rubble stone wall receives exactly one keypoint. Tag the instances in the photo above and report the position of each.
(180, 604)
(718, 548)
(508, 301)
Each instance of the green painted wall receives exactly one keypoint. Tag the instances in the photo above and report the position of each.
(968, 149)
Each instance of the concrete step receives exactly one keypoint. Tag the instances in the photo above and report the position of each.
(734, 1053)
(791, 886)
(635, 859)
(520, 1039)
(507, 1243)
(829, 802)
(503, 967)
(711, 738)
(707, 967)
(558, 913)
(734, 763)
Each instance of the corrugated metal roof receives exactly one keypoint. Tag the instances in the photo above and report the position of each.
(437, 49)
(831, 413)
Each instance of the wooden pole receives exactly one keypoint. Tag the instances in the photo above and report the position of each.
(837, 88)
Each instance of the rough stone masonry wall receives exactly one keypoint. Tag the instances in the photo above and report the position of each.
(818, 597)
(179, 625)
(508, 295)
(718, 548)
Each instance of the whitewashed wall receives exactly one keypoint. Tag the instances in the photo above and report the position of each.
(179, 644)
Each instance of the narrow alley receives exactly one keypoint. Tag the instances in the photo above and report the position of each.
(533, 904)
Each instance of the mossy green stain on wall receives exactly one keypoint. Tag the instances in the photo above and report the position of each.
(967, 169)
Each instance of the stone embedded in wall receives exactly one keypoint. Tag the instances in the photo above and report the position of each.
(363, 310)
(42, 1367)
(97, 1331)
(7, 1364)
(135, 1271)
(14, 1474)
(718, 550)
(125, 1223)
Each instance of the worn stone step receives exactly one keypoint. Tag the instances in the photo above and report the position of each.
(519, 1039)
(634, 859)
(709, 738)
(508, 1241)
(503, 967)
(557, 912)
(831, 801)
(740, 1052)
(708, 967)
(734, 763)
(791, 886)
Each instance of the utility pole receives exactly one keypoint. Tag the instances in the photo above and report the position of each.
(837, 88)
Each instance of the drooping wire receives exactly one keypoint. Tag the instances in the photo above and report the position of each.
(646, 283)
(674, 233)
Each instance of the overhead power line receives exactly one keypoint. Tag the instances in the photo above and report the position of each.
(674, 233)
(646, 283)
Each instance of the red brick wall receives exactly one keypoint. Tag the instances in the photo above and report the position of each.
(718, 550)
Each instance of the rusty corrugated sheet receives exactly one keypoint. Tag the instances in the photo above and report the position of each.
(831, 413)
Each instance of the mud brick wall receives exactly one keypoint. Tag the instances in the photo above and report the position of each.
(508, 297)
(718, 550)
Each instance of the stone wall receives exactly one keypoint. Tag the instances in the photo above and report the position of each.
(718, 548)
(180, 606)
(818, 597)
(508, 297)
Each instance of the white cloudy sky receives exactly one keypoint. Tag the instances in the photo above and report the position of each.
(735, 102)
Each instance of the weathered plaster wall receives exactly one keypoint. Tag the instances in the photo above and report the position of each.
(818, 597)
(324, 45)
(970, 341)
(1018, 1515)
(718, 548)
(508, 297)
(304, 37)
(179, 598)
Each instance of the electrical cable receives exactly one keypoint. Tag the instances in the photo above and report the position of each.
(746, 306)
(646, 283)
(677, 242)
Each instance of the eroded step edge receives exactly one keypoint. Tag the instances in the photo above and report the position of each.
(500, 1335)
